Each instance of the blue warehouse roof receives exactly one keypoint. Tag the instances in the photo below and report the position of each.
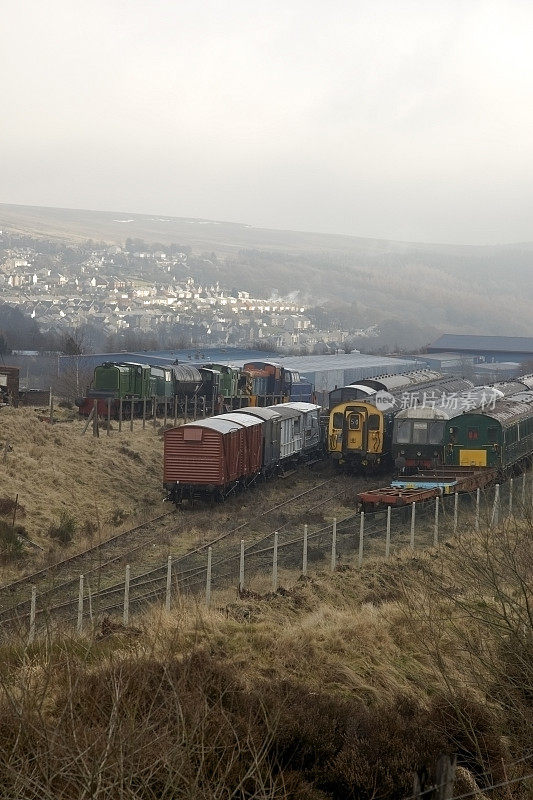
(480, 344)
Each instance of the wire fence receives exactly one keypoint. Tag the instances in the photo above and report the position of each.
(263, 563)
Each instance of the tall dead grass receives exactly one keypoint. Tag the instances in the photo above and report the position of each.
(340, 687)
(55, 469)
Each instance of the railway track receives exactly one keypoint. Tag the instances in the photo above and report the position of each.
(101, 563)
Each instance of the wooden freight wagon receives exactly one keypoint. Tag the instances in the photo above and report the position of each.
(203, 457)
(251, 443)
(9, 385)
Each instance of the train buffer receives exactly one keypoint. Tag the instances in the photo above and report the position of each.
(433, 483)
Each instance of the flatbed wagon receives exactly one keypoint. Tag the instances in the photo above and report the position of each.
(432, 483)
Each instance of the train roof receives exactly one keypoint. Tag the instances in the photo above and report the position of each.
(444, 407)
(260, 412)
(242, 419)
(397, 381)
(214, 423)
(286, 410)
(509, 410)
(301, 406)
(186, 373)
(526, 380)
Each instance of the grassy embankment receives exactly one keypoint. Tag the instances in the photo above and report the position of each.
(338, 688)
(100, 484)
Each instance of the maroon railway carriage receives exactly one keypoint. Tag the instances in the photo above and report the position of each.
(212, 456)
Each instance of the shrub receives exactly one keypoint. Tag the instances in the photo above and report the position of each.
(8, 506)
(10, 543)
(64, 530)
(118, 516)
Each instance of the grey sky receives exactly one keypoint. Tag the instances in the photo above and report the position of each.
(406, 120)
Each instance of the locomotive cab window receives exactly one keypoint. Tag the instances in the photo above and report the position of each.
(436, 432)
(338, 418)
(492, 435)
(373, 422)
(420, 432)
(403, 431)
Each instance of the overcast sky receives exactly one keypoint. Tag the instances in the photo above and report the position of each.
(406, 120)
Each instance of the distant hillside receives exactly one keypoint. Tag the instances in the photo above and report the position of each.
(440, 287)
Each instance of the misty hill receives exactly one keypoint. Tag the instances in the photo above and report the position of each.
(477, 289)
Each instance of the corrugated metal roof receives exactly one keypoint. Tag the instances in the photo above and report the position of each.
(221, 425)
(345, 361)
(262, 413)
(285, 411)
(501, 344)
(241, 419)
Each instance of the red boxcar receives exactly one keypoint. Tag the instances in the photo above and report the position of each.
(211, 456)
(251, 441)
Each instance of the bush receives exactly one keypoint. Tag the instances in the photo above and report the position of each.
(8, 506)
(89, 528)
(64, 530)
(10, 543)
(118, 516)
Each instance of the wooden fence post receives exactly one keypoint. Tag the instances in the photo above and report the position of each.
(33, 606)
(131, 414)
(241, 567)
(79, 626)
(154, 410)
(96, 431)
(126, 614)
(361, 538)
(478, 500)
(304, 555)
(442, 787)
(275, 564)
(144, 413)
(387, 535)
(208, 576)
(166, 412)
(120, 414)
(496, 507)
(510, 498)
(523, 492)
(436, 525)
(169, 583)
(334, 545)
(413, 519)
(51, 407)
(455, 512)
(108, 416)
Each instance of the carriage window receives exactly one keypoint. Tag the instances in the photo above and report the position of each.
(492, 435)
(354, 422)
(472, 433)
(373, 422)
(436, 432)
(403, 431)
(338, 419)
(420, 432)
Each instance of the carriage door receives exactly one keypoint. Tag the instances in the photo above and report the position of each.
(355, 421)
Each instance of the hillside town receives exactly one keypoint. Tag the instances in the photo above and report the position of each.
(158, 291)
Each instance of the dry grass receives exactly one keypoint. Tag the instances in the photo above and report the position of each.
(55, 469)
(316, 692)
